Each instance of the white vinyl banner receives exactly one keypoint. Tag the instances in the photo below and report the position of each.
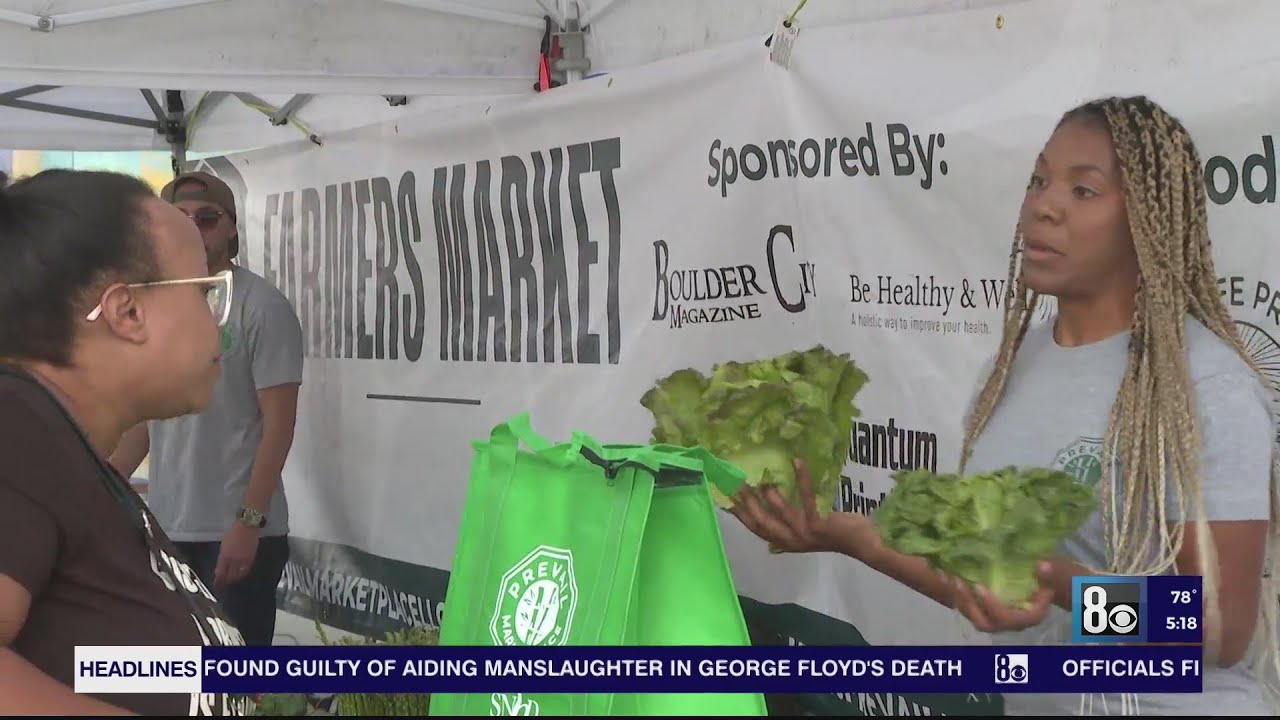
(561, 253)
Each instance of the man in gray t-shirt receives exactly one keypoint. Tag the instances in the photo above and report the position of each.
(214, 481)
(1054, 413)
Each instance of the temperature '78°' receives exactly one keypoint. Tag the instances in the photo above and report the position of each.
(1182, 597)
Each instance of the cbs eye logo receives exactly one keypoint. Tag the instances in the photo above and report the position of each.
(1123, 619)
(1102, 614)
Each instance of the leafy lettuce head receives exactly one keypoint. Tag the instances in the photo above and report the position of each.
(991, 529)
(762, 415)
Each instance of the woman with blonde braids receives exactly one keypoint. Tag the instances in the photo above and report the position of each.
(1140, 386)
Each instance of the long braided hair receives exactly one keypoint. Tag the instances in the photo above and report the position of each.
(1152, 430)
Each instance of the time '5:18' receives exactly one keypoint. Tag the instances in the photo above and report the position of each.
(1180, 623)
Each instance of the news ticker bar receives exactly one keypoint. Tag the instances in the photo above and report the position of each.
(697, 669)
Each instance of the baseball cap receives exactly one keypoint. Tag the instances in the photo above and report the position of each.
(214, 191)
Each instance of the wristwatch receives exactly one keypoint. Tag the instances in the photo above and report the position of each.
(251, 517)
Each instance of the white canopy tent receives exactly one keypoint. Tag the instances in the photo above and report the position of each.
(224, 75)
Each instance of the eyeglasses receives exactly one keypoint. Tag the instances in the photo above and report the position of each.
(217, 292)
(205, 218)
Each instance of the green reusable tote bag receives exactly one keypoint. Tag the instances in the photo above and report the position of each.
(617, 544)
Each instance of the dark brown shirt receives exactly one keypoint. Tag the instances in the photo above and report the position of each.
(99, 568)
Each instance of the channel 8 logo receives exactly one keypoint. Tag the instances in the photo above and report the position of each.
(1109, 609)
(1011, 668)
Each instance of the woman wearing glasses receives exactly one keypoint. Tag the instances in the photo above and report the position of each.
(108, 318)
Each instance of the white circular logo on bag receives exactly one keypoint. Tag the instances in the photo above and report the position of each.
(538, 597)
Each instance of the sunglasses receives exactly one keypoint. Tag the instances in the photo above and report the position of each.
(205, 218)
(217, 293)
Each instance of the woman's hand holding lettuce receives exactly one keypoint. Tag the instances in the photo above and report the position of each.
(991, 535)
(977, 543)
(799, 527)
(991, 530)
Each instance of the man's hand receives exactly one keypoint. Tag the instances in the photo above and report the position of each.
(239, 548)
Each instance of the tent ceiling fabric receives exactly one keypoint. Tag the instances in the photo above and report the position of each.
(346, 55)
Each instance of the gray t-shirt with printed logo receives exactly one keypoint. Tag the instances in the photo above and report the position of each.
(201, 464)
(1054, 414)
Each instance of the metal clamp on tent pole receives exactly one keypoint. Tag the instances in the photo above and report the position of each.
(562, 57)
(282, 115)
(573, 61)
(176, 129)
(172, 124)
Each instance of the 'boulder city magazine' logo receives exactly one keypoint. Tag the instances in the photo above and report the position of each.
(538, 597)
(732, 292)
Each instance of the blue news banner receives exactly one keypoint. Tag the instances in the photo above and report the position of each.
(1129, 635)
(684, 669)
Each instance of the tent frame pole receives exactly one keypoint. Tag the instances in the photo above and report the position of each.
(170, 120)
(7, 100)
(49, 23)
(279, 115)
(28, 90)
(286, 111)
(174, 123)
